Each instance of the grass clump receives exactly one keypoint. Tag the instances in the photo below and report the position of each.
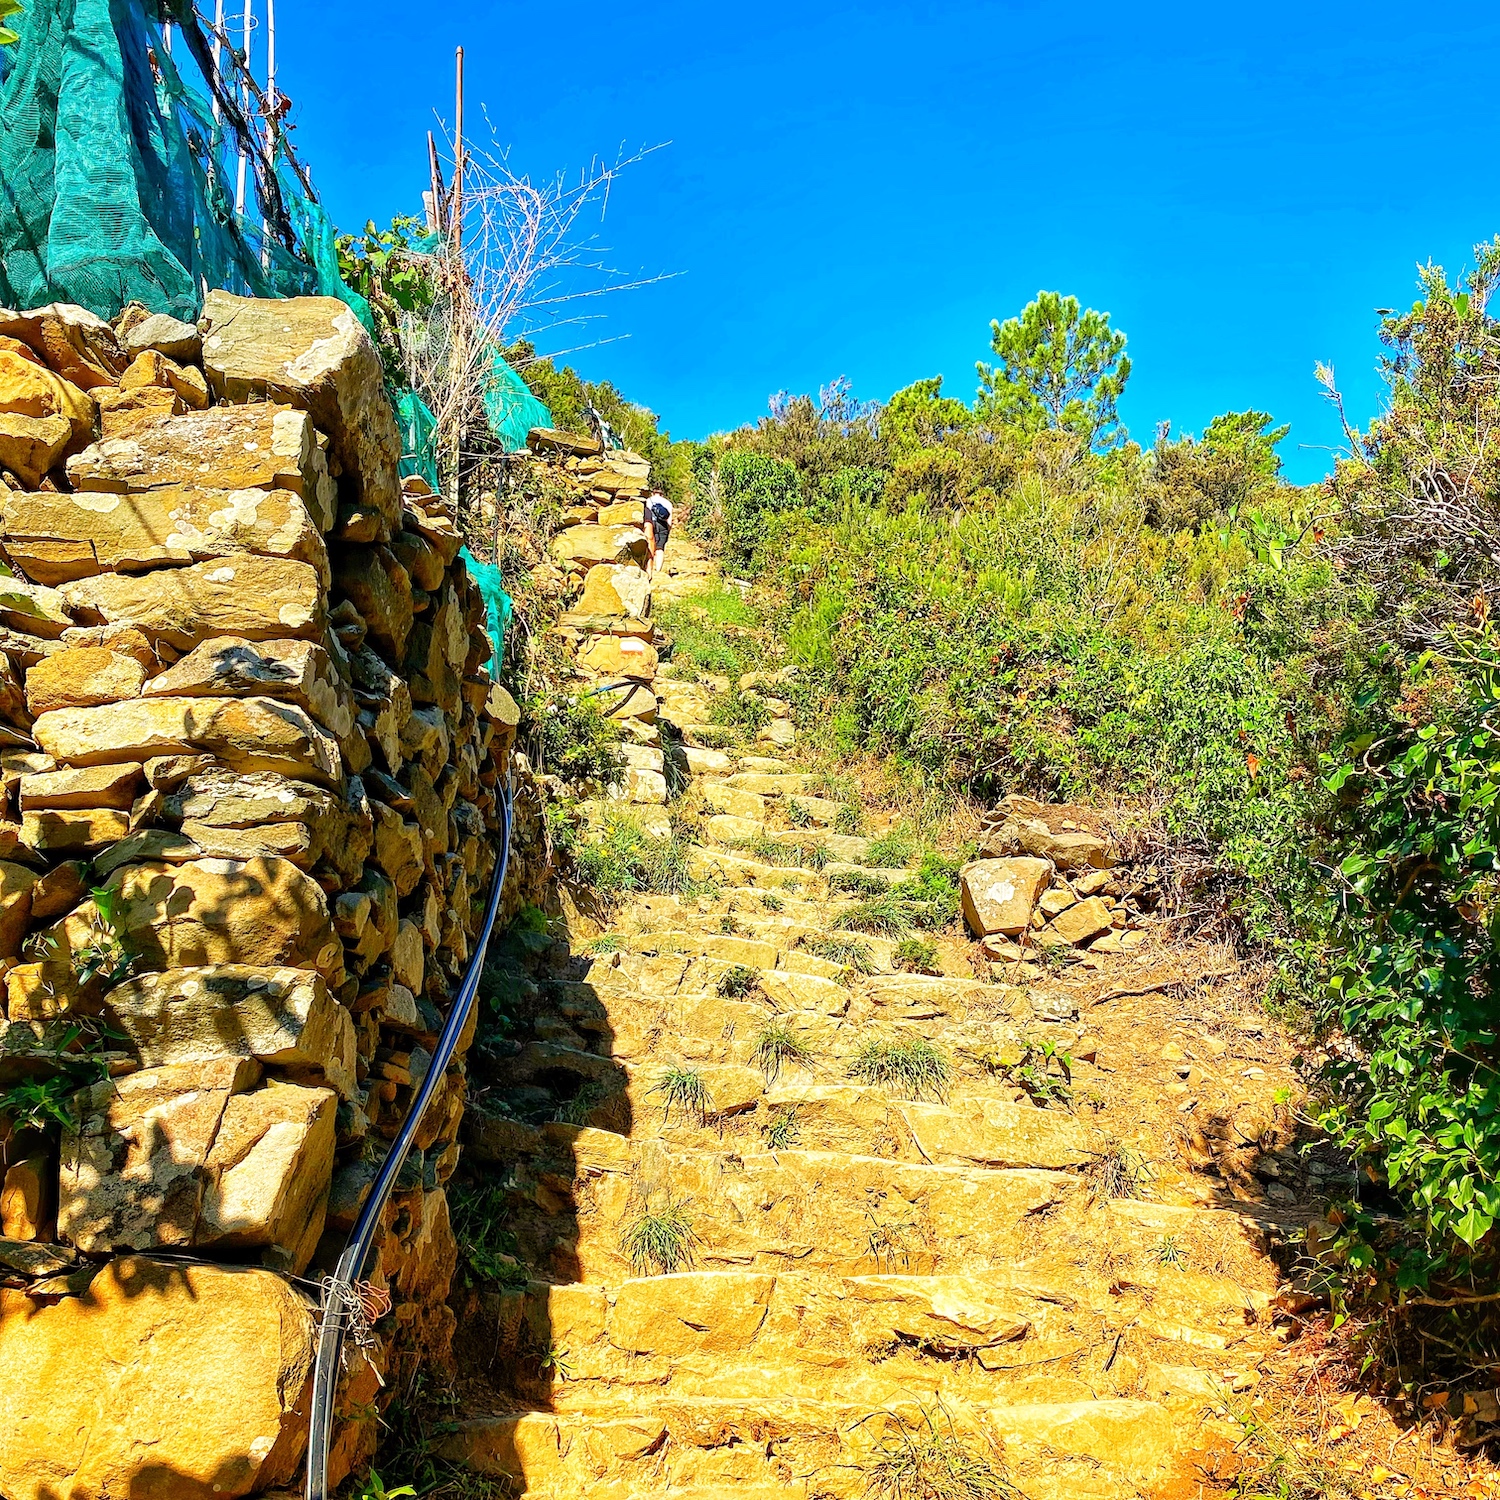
(928, 1459)
(771, 901)
(850, 952)
(659, 1242)
(684, 1088)
(606, 943)
(858, 882)
(783, 1130)
(746, 712)
(736, 983)
(930, 896)
(696, 627)
(1120, 1172)
(884, 916)
(911, 1069)
(777, 1045)
(627, 858)
(849, 820)
(893, 847)
(916, 956)
(797, 815)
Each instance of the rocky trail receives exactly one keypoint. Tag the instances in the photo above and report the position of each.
(791, 1218)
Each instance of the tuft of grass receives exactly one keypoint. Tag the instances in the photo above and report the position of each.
(797, 815)
(893, 847)
(1120, 1172)
(685, 1088)
(729, 923)
(695, 626)
(716, 736)
(809, 856)
(776, 1044)
(578, 1109)
(627, 858)
(1274, 1465)
(928, 1459)
(736, 983)
(783, 1130)
(912, 1069)
(885, 916)
(916, 956)
(858, 883)
(850, 952)
(746, 712)
(659, 1243)
(849, 820)
(930, 895)
(605, 943)
(1167, 1252)
(486, 1244)
(771, 901)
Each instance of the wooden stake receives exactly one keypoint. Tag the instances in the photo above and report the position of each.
(439, 189)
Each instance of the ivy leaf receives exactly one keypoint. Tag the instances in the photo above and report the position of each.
(1473, 1226)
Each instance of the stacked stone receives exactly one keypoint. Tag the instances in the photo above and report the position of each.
(251, 764)
(603, 546)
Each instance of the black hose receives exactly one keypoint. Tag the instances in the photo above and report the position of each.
(338, 1289)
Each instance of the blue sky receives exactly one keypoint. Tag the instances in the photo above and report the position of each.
(859, 188)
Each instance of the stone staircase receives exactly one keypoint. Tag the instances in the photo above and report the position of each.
(783, 1220)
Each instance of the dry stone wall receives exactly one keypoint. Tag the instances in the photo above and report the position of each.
(251, 777)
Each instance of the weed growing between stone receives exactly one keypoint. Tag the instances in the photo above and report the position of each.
(777, 1045)
(927, 1458)
(912, 1069)
(743, 711)
(772, 902)
(893, 847)
(628, 858)
(884, 916)
(850, 952)
(659, 1242)
(736, 983)
(782, 1131)
(916, 956)
(684, 1088)
(858, 882)
(1121, 1172)
(486, 1245)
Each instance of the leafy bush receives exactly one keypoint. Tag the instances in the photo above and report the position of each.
(571, 737)
(736, 983)
(917, 956)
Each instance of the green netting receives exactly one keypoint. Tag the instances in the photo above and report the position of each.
(497, 607)
(112, 178)
(418, 430)
(510, 407)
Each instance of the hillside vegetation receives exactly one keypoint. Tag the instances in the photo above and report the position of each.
(1291, 685)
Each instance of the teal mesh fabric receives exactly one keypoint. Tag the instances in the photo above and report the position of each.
(510, 407)
(497, 607)
(418, 428)
(111, 175)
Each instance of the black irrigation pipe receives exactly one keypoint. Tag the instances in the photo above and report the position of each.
(340, 1296)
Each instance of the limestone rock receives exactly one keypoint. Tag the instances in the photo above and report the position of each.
(126, 414)
(268, 1174)
(690, 1313)
(1084, 921)
(151, 368)
(89, 786)
(285, 1018)
(133, 1165)
(313, 354)
(166, 334)
(247, 734)
(260, 447)
(31, 390)
(260, 598)
(70, 339)
(951, 1314)
(76, 830)
(217, 1411)
(615, 589)
(601, 544)
(16, 884)
(380, 589)
(300, 672)
(81, 677)
(1056, 832)
(27, 1199)
(998, 894)
(33, 608)
(169, 525)
(31, 446)
(619, 656)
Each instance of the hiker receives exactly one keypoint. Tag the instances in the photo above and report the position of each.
(659, 518)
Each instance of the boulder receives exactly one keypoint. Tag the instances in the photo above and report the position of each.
(947, 1314)
(1071, 837)
(31, 446)
(126, 414)
(997, 895)
(619, 656)
(260, 447)
(133, 1164)
(151, 368)
(615, 589)
(300, 672)
(168, 525)
(601, 544)
(28, 389)
(215, 1411)
(16, 883)
(27, 1206)
(247, 734)
(260, 598)
(285, 1018)
(313, 354)
(70, 339)
(82, 677)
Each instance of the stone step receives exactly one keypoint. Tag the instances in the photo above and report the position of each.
(768, 1210)
(778, 783)
(871, 1340)
(1081, 1450)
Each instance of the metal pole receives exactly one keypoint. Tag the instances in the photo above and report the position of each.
(218, 52)
(458, 155)
(458, 345)
(239, 189)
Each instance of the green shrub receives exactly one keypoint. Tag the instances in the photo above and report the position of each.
(913, 1069)
(917, 956)
(709, 632)
(569, 736)
(893, 847)
(859, 882)
(745, 712)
